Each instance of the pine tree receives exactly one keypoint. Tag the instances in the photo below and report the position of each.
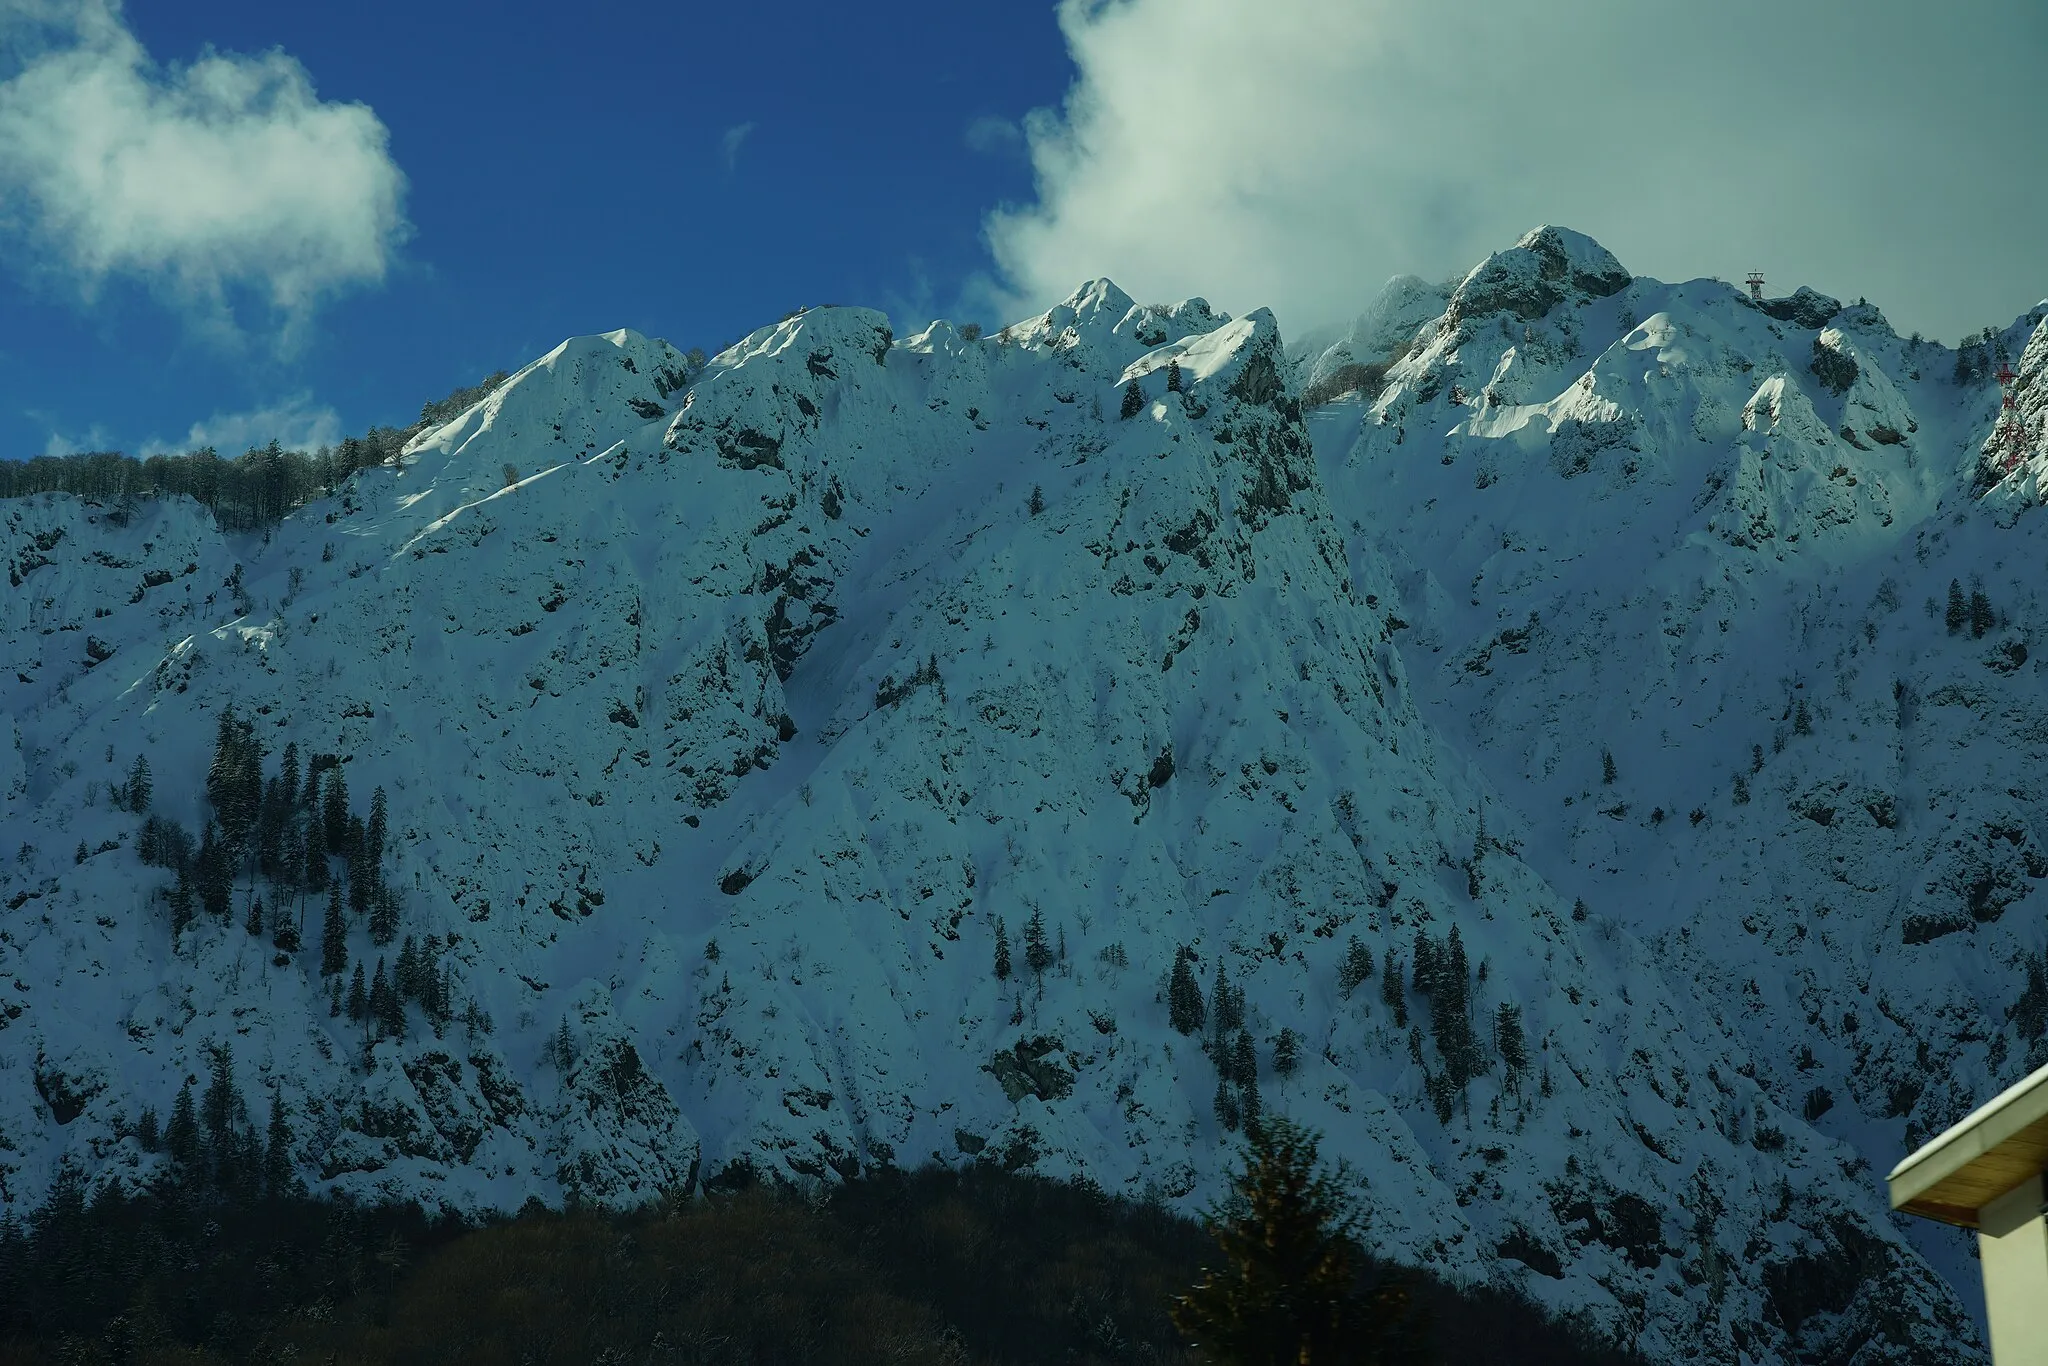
(181, 1136)
(333, 937)
(316, 857)
(384, 916)
(358, 1001)
(1286, 1053)
(181, 905)
(1227, 1112)
(146, 1132)
(1002, 952)
(1958, 609)
(385, 1008)
(1982, 618)
(217, 1109)
(334, 812)
(1424, 979)
(288, 774)
(1244, 1060)
(1508, 1039)
(1227, 1002)
(277, 1152)
(334, 997)
(254, 923)
(1391, 993)
(1173, 377)
(1134, 400)
(406, 976)
(1184, 1010)
(1287, 1291)
(213, 876)
(140, 785)
(1802, 719)
(1356, 967)
(1607, 770)
(1037, 954)
(361, 884)
(375, 832)
(284, 931)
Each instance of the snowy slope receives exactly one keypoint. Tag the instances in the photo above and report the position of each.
(1716, 542)
(723, 724)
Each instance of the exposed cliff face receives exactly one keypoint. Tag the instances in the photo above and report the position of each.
(727, 719)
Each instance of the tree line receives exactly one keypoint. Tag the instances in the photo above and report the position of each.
(246, 493)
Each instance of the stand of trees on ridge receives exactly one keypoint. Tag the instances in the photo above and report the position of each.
(246, 493)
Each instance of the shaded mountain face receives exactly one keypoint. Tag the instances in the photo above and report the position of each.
(729, 721)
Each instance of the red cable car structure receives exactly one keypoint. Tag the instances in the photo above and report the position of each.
(2009, 436)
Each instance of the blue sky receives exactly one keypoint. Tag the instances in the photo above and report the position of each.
(222, 221)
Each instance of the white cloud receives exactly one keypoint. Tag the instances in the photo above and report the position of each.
(225, 175)
(1297, 152)
(995, 136)
(735, 138)
(296, 423)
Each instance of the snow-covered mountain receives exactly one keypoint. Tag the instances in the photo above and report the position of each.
(728, 719)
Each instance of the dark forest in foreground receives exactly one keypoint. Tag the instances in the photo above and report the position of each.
(937, 1266)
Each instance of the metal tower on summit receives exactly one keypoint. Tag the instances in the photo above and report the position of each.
(2009, 437)
(1756, 285)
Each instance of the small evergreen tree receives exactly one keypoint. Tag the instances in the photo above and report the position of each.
(1982, 618)
(1286, 1053)
(406, 975)
(253, 923)
(139, 787)
(288, 774)
(1227, 1113)
(385, 1008)
(1802, 719)
(181, 1136)
(1134, 400)
(1228, 1003)
(333, 937)
(1508, 1040)
(1173, 377)
(1002, 951)
(1356, 967)
(1390, 991)
(374, 834)
(1244, 1060)
(358, 999)
(334, 812)
(284, 931)
(1184, 1009)
(1287, 1292)
(1958, 610)
(213, 875)
(181, 905)
(1036, 504)
(146, 1132)
(384, 916)
(315, 875)
(1037, 953)
(217, 1108)
(1607, 770)
(277, 1152)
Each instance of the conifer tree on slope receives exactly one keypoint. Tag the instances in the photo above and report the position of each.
(333, 937)
(1286, 1293)
(1184, 1009)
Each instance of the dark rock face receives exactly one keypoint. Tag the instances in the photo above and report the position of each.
(1543, 270)
(1806, 308)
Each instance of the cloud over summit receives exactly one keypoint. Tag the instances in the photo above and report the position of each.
(1297, 153)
